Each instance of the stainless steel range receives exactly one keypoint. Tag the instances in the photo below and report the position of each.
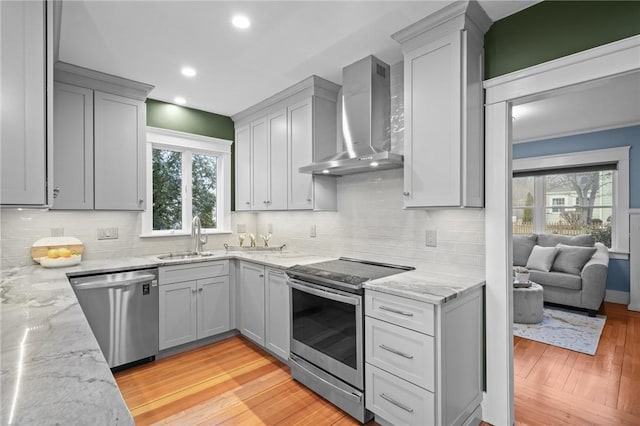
(327, 318)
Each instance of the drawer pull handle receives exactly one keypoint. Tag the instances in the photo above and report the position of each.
(396, 311)
(395, 351)
(396, 403)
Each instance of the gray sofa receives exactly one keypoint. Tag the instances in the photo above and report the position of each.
(572, 269)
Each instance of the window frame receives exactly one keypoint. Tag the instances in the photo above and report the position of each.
(620, 156)
(186, 142)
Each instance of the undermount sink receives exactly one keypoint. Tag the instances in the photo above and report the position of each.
(185, 255)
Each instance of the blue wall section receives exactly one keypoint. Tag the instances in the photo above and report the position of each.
(626, 136)
(618, 274)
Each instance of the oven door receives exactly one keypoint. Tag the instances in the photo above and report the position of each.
(326, 330)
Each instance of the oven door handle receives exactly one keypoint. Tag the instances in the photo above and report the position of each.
(298, 285)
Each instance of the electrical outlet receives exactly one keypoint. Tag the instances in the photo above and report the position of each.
(312, 231)
(430, 238)
(57, 232)
(108, 233)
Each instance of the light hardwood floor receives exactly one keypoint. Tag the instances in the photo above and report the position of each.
(555, 386)
(229, 382)
(235, 382)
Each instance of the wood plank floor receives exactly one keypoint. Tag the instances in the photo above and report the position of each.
(235, 382)
(229, 382)
(555, 386)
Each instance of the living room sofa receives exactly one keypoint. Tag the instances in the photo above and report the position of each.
(571, 269)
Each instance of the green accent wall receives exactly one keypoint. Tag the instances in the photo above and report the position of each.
(553, 29)
(188, 120)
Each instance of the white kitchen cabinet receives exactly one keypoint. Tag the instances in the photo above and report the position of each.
(99, 153)
(25, 78)
(277, 313)
(252, 298)
(194, 302)
(73, 153)
(243, 168)
(300, 126)
(119, 140)
(444, 134)
(423, 362)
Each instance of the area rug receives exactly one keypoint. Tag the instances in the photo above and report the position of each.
(564, 328)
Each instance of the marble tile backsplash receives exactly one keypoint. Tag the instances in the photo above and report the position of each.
(371, 224)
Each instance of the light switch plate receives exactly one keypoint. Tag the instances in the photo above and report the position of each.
(57, 232)
(430, 238)
(108, 233)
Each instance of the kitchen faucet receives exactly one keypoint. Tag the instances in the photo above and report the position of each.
(196, 232)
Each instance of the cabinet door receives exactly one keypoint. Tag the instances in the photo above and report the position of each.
(432, 169)
(213, 306)
(277, 313)
(243, 168)
(119, 152)
(23, 164)
(73, 154)
(252, 302)
(177, 322)
(278, 159)
(259, 165)
(300, 132)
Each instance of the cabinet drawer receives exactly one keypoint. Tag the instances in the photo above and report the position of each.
(193, 271)
(400, 310)
(398, 401)
(405, 353)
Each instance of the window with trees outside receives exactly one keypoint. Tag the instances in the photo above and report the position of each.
(187, 177)
(569, 203)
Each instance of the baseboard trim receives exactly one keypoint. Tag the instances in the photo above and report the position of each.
(615, 296)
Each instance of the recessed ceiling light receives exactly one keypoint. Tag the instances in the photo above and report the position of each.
(241, 21)
(325, 171)
(188, 72)
(374, 164)
(179, 100)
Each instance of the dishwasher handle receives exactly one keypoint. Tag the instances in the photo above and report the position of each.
(115, 284)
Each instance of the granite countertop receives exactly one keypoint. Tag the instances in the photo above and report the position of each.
(52, 370)
(436, 288)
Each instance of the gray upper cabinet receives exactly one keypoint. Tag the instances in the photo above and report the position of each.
(444, 134)
(25, 78)
(119, 152)
(99, 150)
(73, 154)
(278, 136)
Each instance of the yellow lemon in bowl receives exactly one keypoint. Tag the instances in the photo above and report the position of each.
(53, 253)
(64, 252)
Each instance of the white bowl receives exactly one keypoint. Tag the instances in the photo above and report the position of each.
(59, 262)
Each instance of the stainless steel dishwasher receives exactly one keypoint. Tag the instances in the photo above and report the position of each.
(122, 310)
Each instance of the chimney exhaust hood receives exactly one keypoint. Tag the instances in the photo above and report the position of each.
(366, 122)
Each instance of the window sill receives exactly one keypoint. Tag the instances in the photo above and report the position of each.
(614, 254)
(182, 234)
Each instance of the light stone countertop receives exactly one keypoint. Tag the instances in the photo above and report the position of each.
(436, 288)
(52, 370)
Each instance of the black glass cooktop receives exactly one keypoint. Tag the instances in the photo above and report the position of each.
(345, 272)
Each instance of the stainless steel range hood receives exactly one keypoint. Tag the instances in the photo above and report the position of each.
(365, 122)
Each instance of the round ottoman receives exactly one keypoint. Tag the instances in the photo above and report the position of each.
(527, 304)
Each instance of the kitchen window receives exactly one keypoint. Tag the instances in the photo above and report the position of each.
(572, 194)
(187, 175)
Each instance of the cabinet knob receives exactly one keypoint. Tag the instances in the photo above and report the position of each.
(56, 191)
(261, 275)
(200, 289)
(265, 202)
(309, 200)
(405, 193)
(141, 201)
(248, 202)
(193, 291)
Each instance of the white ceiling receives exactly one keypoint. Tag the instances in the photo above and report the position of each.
(604, 104)
(149, 41)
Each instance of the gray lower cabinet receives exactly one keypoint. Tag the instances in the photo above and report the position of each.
(278, 322)
(194, 302)
(423, 362)
(252, 296)
(264, 307)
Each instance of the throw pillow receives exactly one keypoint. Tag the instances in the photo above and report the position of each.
(571, 259)
(541, 258)
(522, 246)
(552, 240)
